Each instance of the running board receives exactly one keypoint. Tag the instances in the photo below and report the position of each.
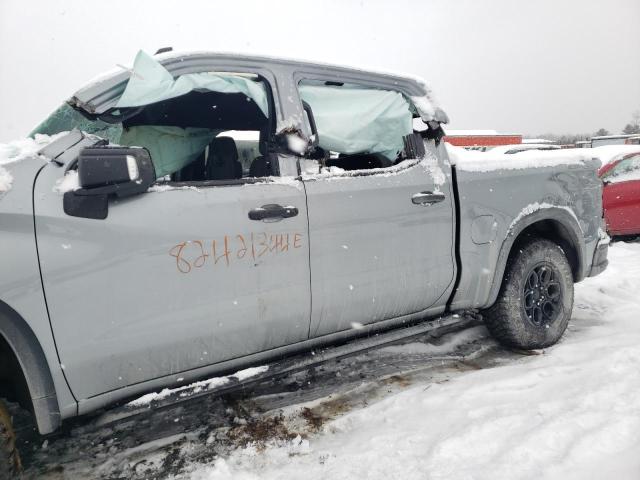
(296, 363)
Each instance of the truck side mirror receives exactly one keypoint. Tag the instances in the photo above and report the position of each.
(105, 172)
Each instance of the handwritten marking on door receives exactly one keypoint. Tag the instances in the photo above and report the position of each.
(192, 254)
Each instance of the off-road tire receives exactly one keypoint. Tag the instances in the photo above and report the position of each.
(9, 459)
(521, 316)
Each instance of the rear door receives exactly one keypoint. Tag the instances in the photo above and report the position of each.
(381, 238)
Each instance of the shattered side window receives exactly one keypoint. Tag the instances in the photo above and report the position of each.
(65, 119)
(358, 127)
(200, 127)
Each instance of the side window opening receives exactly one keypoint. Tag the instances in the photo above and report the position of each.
(358, 127)
(199, 136)
(204, 136)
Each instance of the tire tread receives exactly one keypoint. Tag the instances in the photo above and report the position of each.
(504, 319)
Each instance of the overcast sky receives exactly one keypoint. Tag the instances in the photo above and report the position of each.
(563, 66)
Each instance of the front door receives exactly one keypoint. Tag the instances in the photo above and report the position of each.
(171, 280)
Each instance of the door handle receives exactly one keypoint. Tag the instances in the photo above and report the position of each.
(427, 198)
(273, 211)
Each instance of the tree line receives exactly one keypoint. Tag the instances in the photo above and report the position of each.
(631, 128)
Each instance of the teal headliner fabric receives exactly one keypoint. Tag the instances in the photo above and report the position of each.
(150, 82)
(353, 119)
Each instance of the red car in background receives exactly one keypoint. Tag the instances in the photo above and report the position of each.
(621, 194)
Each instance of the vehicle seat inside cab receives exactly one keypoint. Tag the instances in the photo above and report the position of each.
(222, 162)
(261, 165)
(196, 171)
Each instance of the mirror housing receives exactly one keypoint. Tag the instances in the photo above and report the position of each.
(122, 171)
(105, 171)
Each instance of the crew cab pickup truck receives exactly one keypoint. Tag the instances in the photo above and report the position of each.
(201, 213)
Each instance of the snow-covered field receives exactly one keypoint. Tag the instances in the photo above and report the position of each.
(571, 412)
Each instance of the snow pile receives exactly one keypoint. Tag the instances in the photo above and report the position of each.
(570, 413)
(197, 387)
(250, 372)
(337, 173)
(67, 183)
(296, 143)
(460, 338)
(18, 150)
(162, 187)
(476, 161)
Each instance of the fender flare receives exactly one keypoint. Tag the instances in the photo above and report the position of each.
(571, 233)
(35, 368)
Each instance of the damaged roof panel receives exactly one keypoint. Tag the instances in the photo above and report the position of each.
(151, 83)
(103, 93)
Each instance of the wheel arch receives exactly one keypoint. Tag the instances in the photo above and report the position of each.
(27, 368)
(555, 224)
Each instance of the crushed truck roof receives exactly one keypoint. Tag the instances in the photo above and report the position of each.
(103, 92)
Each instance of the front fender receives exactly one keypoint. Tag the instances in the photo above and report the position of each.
(24, 318)
(35, 368)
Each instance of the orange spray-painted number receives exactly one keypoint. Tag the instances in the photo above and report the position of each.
(232, 248)
(182, 265)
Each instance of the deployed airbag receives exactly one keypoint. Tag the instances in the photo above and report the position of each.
(171, 148)
(150, 82)
(353, 119)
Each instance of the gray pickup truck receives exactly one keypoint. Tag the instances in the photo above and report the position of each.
(202, 213)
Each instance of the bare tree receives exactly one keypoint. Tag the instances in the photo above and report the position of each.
(634, 126)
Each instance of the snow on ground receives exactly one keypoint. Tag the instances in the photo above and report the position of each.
(570, 413)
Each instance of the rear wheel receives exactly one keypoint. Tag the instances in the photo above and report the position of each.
(536, 297)
(9, 458)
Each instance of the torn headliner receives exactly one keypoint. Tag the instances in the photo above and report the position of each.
(103, 93)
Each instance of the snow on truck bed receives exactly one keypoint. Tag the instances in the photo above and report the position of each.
(475, 161)
(570, 413)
